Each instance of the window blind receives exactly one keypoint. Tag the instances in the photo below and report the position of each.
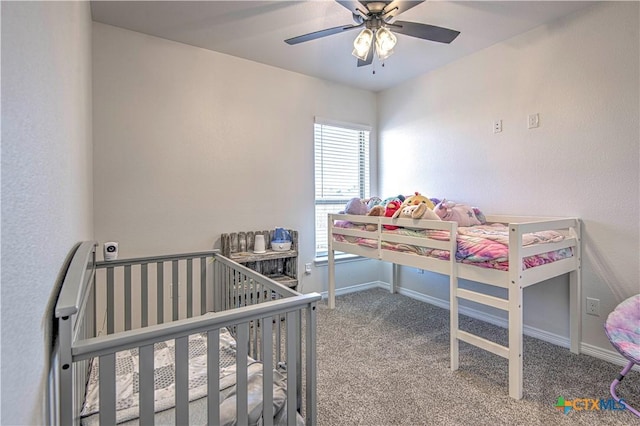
(341, 172)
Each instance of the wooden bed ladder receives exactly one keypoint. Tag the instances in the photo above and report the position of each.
(513, 306)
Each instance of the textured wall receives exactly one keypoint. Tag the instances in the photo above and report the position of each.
(580, 74)
(46, 184)
(190, 144)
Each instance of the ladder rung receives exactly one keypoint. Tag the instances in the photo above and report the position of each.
(483, 343)
(484, 299)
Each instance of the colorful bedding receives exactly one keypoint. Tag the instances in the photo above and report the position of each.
(483, 245)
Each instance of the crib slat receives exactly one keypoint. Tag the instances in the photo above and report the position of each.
(127, 297)
(254, 339)
(110, 301)
(213, 374)
(278, 335)
(243, 283)
(242, 352)
(267, 374)
(175, 289)
(217, 286)
(107, 390)
(144, 295)
(292, 356)
(182, 380)
(229, 285)
(147, 391)
(160, 293)
(203, 285)
(189, 288)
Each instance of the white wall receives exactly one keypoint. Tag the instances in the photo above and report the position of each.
(46, 184)
(581, 75)
(190, 144)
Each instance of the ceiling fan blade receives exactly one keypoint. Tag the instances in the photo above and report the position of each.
(354, 7)
(367, 61)
(321, 33)
(396, 7)
(424, 31)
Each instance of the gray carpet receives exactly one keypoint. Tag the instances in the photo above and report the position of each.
(383, 359)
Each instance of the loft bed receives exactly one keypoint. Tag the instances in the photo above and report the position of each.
(544, 247)
(192, 338)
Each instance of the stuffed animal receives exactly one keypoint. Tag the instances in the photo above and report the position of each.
(376, 211)
(390, 199)
(391, 207)
(419, 211)
(416, 199)
(460, 213)
(374, 201)
(355, 206)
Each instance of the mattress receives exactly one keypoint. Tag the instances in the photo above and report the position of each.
(482, 245)
(127, 408)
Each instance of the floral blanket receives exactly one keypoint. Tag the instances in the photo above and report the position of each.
(482, 245)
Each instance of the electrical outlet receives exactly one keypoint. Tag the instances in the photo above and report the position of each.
(307, 268)
(593, 306)
(497, 126)
(533, 121)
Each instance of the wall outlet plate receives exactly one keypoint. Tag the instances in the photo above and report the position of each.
(593, 306)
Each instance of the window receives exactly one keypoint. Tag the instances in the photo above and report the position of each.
(341, 171)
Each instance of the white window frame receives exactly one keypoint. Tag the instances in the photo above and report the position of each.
(335, 203)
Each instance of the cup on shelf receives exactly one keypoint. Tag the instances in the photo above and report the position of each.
(258, 246)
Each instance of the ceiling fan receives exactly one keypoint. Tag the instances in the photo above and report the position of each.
(374, 17)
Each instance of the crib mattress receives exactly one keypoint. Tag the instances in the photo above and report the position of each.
(127, 408)
(483, 245)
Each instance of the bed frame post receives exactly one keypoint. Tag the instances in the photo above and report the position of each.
(453, 299)
(311, 367)
(395, 278)
(515, 312)
(575, 293)
(331, 265)
(65, 365)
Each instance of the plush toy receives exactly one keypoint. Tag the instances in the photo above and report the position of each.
(390, 199)
(355, 206)
(416, 199)
(419, 211)
(374, 201)
(391, 207)
(376, 211)
(460, 213)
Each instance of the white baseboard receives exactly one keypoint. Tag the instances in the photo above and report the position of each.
(606, 355)
(355, 288)
(585, 348)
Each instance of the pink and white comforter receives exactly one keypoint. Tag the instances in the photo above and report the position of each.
(482, 245)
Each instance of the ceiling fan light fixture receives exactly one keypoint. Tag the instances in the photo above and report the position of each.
(362, 44)
(385, 42)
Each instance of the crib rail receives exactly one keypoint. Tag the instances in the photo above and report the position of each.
(107, 307)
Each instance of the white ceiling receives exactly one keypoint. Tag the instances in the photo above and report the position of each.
(256, 30)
